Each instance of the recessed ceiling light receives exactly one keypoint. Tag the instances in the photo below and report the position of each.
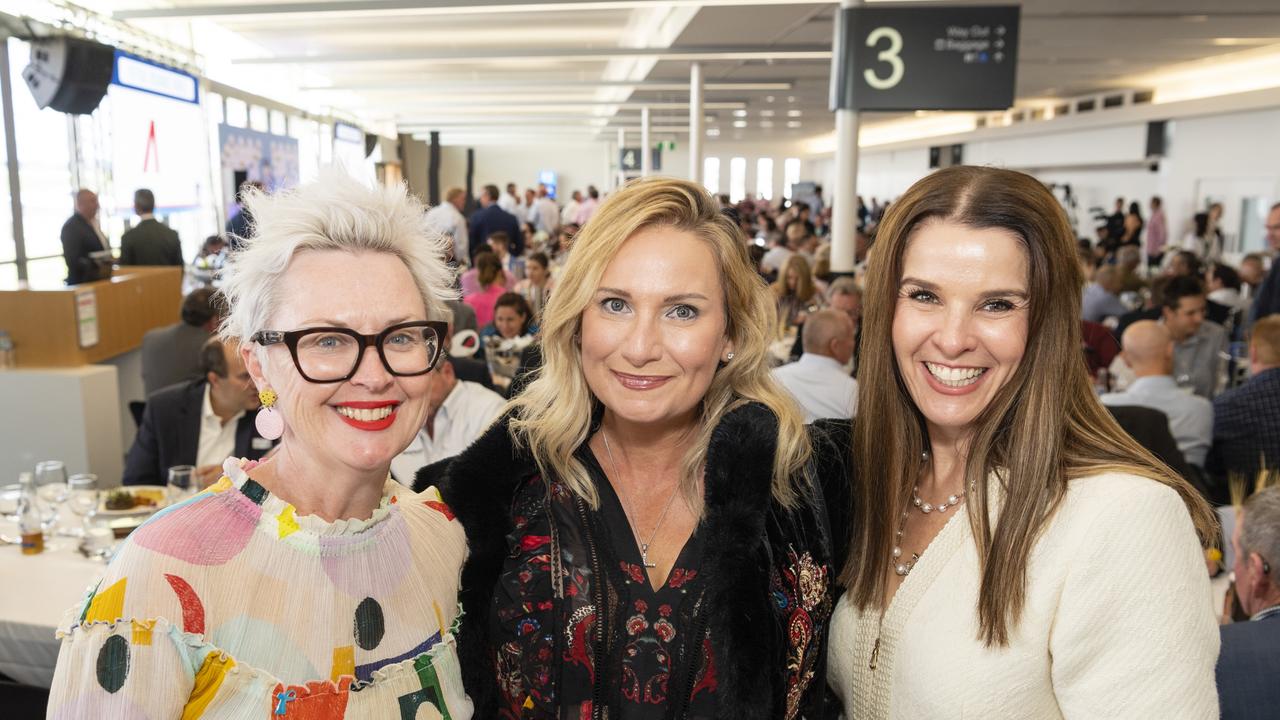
(794, 113)
(791, 98)
(766, 113)
(739, 113)
(794, 123)
(768, 98)
(713, 132)
(739, 123)
(766, 123)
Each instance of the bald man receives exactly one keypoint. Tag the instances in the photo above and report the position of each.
(80, 237)
(819, 380)
(1147, 348)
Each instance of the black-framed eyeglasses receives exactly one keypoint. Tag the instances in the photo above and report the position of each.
(332, 354)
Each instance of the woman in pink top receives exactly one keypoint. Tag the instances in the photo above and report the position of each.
(492, 284)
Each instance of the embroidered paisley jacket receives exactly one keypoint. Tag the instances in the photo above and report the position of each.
(544, 602)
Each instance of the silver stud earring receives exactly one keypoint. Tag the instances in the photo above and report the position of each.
(728, 357)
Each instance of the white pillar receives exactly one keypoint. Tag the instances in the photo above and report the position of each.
(646, 151)
(844, 196)
(695, 122)
(620, 177)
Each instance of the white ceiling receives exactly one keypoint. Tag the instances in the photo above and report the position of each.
(503, 69)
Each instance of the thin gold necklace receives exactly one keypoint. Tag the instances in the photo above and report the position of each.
(644, 546)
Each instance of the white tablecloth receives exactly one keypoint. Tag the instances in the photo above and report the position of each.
(36, 591)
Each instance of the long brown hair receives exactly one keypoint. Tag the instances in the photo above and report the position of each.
(488, 269)
(805, 289)
(1043, 428)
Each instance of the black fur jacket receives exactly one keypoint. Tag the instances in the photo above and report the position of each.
(770, 571)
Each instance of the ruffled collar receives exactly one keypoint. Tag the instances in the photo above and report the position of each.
(287, 522)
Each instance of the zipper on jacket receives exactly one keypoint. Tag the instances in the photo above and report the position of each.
(693, 656)
(597, 595)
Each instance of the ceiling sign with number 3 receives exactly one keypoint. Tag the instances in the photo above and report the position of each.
(888, 55)
(948, 57)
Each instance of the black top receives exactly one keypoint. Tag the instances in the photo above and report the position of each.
(560, 623)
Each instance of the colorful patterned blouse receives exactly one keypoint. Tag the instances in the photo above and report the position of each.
(230, 605)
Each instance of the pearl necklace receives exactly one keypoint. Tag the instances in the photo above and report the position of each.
(901, 567)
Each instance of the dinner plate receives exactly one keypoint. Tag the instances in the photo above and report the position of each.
(153, 493)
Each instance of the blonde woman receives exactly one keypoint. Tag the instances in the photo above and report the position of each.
(795, 291)
(646, 542)
(1014, 553)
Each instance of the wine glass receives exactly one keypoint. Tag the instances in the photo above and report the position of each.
(181, 482)
(51, 485)
(83, 499)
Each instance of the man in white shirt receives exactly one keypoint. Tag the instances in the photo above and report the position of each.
(544, 214)
(447, 218)
(511, 202)
(819, 380)
(200, 423)
(1147, 348)
(570, 213)
(458, 412)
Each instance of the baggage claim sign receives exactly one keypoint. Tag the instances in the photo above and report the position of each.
(901, 59)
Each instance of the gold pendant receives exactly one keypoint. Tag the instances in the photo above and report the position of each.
(875, 655)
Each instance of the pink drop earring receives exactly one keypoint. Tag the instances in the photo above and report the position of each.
(269, 421)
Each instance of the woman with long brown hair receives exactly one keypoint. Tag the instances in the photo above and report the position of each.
(1013, 553)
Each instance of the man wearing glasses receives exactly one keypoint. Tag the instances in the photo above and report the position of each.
(1249, 664)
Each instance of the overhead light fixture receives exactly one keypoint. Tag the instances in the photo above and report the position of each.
(768, 98)
(400, 8)
(739, 123)
(471, 56)
(739, 113)
(766, 123)
(713, 132)
(794, 113)
(794, 123)
(766, 113)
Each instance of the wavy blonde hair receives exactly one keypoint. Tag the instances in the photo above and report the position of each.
(552, 417)
(805, 287)
(1041, 430)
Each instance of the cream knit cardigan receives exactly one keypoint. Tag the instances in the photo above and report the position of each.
(1118, 622)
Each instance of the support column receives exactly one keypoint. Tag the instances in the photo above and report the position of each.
(620, 177)
(844, 199)
(696, 117)
(11, 153)
(646, 151)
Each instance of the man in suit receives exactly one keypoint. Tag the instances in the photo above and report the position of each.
(200, 423)
(149, 242)
(1246, 427)
(1267, 300)
(490, 219)
(1249, 663)
(171, 354)
(80, 237)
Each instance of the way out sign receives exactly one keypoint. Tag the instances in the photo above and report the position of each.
(925, 58)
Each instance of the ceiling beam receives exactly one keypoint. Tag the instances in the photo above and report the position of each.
(474, 55)
(484, 86)
(417, 7)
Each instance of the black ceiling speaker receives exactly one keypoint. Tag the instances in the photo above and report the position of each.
(69, 74)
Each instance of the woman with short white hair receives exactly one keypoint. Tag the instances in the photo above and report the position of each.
(309, 584)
